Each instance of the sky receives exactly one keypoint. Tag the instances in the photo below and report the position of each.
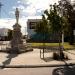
(28, 9)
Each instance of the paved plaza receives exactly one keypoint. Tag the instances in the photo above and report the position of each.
(33, 58)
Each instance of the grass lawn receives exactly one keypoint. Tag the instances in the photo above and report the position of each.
(66, 45)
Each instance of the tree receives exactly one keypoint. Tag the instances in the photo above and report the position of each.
(57, 23)
(70, 14)
(9, 34)
(42, 28)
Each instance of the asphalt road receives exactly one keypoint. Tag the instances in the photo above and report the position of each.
(28, 71)
(67, 70)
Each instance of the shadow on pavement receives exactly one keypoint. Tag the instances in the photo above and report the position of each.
(70, 52)
(9, 58)
(48, 59)
(66, 70)
(58, 71)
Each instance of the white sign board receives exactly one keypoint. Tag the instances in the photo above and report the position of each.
(74, 32)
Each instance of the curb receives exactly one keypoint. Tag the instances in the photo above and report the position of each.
(34, 66)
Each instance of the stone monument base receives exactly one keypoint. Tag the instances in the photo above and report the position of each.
(14, 50)
(20, 49)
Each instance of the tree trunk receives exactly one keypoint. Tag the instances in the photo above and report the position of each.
(61, 54)
(71, 36)
(62, 38)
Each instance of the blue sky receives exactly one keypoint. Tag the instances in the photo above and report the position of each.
(7, 7)
(28, 9)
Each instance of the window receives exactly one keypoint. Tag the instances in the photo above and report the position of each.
(32, 25)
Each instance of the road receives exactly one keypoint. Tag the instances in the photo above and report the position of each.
(27, 71)
(67, 70)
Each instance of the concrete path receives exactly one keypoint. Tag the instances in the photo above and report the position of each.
(32, 58)
(27, 71)
(39, 71)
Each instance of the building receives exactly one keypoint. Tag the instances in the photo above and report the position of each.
(3, 32)
(31, 24)
(33, 36)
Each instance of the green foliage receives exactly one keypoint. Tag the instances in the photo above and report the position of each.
(9, 34)
(69, 12)
(52, 22)
(56, 22)
(42, 27)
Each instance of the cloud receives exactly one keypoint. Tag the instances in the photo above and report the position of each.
(33, 7)
(29, 9)
(18, 2)
(11, 12)
(40, 4)
(21, 7)
(36, 6)
(8, 23)
(34, 17)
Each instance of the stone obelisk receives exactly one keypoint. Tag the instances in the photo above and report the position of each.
(17, 35)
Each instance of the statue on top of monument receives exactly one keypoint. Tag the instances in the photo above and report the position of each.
(17, 15)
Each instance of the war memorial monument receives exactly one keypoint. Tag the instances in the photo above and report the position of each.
(16, 43)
